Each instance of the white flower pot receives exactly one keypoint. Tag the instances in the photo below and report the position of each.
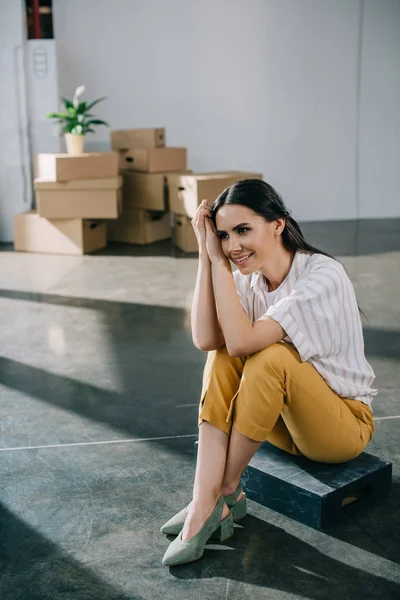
(74, 143)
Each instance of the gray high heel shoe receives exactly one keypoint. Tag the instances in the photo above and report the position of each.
(180, 552)
(238, 509)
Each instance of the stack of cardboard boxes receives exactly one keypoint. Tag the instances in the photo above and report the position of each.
(145, 162)
(143, 188)
(158, 183)
(186, 193)
(74, 194)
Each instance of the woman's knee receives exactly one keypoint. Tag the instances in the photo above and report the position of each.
(221, 358)
(274, 356)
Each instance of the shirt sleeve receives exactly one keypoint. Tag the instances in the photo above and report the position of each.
(310, 314)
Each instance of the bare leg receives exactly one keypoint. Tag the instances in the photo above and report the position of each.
(218, 471)
(240, 452)
(211, 459)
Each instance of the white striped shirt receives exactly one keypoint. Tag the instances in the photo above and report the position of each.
(317, 308)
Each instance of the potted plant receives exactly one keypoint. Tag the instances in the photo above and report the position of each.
(76, 120)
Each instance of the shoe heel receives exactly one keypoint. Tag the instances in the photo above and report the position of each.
(224, 531)
(239, 510)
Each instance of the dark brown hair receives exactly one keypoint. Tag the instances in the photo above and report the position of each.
(261, 197)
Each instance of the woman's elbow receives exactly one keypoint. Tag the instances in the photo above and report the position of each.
(209, 347)
(204, 347)
(235, 352)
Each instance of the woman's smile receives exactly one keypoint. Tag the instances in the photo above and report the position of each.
(242, 260)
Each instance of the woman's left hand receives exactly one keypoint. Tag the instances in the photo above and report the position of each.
(213, 243)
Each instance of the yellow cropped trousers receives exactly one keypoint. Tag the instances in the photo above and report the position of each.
(273, 396)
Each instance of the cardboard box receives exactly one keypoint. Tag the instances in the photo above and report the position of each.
(126, 139)
(66, 167)
(187, 191)
(184, 235)
(148, 191)
(153, 160)
(33, 233)
(83, 198)
(137, 226)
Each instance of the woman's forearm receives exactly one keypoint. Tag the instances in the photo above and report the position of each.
(206, 332)
(235, 325)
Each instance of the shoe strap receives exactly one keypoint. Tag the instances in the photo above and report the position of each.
(232, 498)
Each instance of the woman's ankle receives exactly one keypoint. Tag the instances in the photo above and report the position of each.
(229, 488)
(202, 500)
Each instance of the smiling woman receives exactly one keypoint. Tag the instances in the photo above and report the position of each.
(240, 230)
(265, 211)
(285, 360)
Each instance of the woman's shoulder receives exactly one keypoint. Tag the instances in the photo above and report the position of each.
(322, 272)
(322, 263)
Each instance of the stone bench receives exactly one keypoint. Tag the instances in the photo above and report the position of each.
(317, 494)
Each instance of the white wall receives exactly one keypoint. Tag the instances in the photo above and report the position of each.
(43, 95)
(269, 85)
(15, 172)
(380, 110)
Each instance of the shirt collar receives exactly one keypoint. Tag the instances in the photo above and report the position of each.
(256, 279)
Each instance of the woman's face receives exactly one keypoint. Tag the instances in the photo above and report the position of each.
(247, 239)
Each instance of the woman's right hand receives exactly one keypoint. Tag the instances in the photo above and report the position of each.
(199, 226)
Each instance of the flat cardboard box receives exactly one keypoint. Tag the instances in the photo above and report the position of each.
(33, 233)
(153, 160)
(126, 139)
(184, 235)
(148, 191)
(66, 167)
(83, 199)
(187, 191)
(136, 226)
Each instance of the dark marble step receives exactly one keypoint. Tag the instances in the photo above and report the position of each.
(317, 494)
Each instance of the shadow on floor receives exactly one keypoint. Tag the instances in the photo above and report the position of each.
(259, 554)
(159, 368)
(267, 556)
(378, 342)
(144, 340)
(139, 413)
(36, 569)
(375, 529)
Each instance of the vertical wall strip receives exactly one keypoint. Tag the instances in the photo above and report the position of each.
(358, 107)
(37, 32)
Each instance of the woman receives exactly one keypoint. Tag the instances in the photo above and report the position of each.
(286, 357)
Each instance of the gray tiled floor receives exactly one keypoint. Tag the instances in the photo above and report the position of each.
(97, 349)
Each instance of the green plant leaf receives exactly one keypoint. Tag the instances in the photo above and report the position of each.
(67, 119)
(81, 108)
(76, 117)
(68, 103)
(95, 102)
(56, 115)
(97, 122)
(67, 129)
